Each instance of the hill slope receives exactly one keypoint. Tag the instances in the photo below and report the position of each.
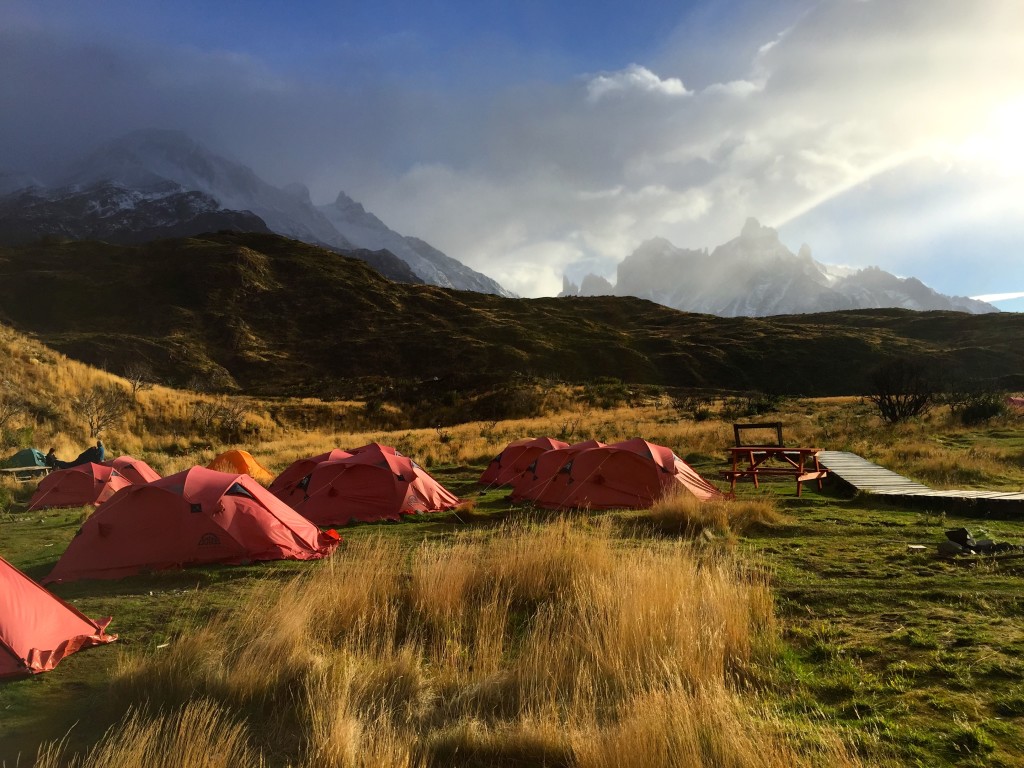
(275, 316)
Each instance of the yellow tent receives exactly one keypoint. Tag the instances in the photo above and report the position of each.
(241, 463)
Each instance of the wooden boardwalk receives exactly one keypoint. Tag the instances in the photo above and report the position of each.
(864, 476)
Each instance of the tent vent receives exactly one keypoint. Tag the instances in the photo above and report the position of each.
(238, 490)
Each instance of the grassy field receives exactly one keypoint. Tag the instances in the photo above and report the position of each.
(505, 636)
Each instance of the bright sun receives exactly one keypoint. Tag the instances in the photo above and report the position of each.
(1000, 143)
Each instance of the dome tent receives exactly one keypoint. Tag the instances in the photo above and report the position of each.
(37, 628)
(545, 469)
(373, 483)
(242, 463)
(297, 470)
(136, 471)
(629, 474)
(26, 457)
(195, 517)
(516, 458)
(77, 486)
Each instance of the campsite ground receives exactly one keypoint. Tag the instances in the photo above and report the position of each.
(916, 660)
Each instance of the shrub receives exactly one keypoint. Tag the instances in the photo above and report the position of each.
(980, 407)
(901, 390)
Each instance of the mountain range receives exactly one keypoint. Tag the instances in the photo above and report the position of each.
(159, 183)
(152, 184)
(755, 275)
(265, 315)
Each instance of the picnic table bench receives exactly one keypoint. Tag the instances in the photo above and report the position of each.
(24, 474)
(775, 459)
(757, 461)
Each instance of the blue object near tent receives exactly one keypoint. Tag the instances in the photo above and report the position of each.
(27, 457)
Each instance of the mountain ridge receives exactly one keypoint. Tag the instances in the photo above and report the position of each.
(755, 275)
(143, 162)
(270, 316)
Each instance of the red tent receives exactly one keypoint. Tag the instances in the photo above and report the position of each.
(544, 471)
(631, 474)
(37, 628)
(298, 470)
(516, 458)
(191, 518)
(77, 486)
(135, 471)
(374, 483)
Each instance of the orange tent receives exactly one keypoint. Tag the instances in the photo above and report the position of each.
(194, 517)
(516, 458)
(37, 628)
(135, 471)
(630, 474)
(241, 463)
(299, 469)
(77, 486)
(374, 483)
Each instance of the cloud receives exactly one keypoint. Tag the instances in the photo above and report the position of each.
(875, 131)
(634, 78)
(999, 296)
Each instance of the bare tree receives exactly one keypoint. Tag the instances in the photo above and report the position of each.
(140, 377)
(232, 416)
(10, 404)
(103, 406)
(227, 416)
(901, 390)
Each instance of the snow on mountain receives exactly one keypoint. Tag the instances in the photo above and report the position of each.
(146, 158)
(365, 230)
(115, 213)
(756, 275)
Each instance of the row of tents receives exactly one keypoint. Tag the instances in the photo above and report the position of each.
(144, 522)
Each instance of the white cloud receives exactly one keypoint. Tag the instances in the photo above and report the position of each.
(808, 129)
(999, 296)
(634, 78)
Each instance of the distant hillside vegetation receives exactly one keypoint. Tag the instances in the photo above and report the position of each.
(272, 316)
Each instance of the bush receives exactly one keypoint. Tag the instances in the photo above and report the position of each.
(901, 390)
(975, 405)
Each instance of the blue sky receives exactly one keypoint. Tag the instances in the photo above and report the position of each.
(532, 139)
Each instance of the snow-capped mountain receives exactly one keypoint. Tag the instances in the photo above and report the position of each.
(756, 275)
(148, 160)
(365, 230)
(117, 214)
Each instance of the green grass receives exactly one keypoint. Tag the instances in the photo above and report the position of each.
(919, 661)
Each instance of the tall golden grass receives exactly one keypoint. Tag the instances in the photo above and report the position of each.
(160, 427)
(534, 645)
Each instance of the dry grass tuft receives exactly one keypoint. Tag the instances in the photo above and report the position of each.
(681, 513)
(200, 735)
(535, 644)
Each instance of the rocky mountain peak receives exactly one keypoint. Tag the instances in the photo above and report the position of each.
(170, 161)
(756, 275)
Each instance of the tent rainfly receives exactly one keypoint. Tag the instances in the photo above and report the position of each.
(136, 471)
(77, 486)
(195, 517)
(630, 474)
(373, 483)
(516, 458)
(241, 463)
(37, 628)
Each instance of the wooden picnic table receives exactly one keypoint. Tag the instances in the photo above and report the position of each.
(24, 474)
(755, 461)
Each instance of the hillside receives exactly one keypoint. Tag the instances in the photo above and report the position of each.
(272, 316)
